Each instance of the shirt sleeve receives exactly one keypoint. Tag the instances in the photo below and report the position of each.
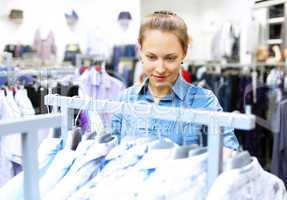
(229, 139)
(193, 133)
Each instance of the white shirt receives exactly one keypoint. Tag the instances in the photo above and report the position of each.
(248, 183)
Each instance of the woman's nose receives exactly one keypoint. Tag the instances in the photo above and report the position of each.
(160, 68)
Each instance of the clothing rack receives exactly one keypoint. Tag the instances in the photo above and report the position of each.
(38, 72)
(235, 65)
(214, 121)
(28, 128)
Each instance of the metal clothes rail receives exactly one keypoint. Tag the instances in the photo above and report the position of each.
(43, 72)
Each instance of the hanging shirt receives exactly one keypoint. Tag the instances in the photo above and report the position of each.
(116, 164)
(178, 180)
(183, 95)
(279, 154)
(46, 153)
(136, 172)
(99, 86)
(85, 167)
(5, 164)
(58, 169)
(24, 103)
(20, 106)
(10, 144)
(128, 180)
(46, 47)
(248, 182)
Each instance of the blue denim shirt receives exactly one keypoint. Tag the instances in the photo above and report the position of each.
(183, 95)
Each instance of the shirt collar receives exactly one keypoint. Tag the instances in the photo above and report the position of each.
(179, 88)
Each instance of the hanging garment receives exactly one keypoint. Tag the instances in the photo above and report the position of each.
(57, 170)
(14, 140)
(24, 103)
(85, 167)
(45, 48)
(5, 167)
(99, 86)
(176, 180)
(5, 164)
(273, 111)
(255, 36)
(11, 145)
(127, 51)
(135, 172)
(13, 190)
(247, 183)
(115, 164)
(279, 155)
(20, 106)
(126, 70)
(260, 136)
(71, 52)
(221, 46)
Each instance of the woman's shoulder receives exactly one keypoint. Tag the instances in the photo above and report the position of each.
(131, 93)
(196, 90)
(199, 97)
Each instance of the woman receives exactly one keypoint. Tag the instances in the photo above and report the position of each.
(163, 42)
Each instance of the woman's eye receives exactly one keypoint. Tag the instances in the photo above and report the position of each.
(151, 57)
(171, 58)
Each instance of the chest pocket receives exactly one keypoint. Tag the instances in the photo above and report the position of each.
(154, 127)
(164, 128)
(142, 126)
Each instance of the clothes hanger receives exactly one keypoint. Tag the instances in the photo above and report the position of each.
(182, 151)
(240, 159)
(197, 151)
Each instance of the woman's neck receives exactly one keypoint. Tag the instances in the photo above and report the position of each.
(159, 92)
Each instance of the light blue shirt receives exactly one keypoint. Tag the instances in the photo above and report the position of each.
(183, 95)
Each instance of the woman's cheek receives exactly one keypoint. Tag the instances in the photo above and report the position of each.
(148, 69)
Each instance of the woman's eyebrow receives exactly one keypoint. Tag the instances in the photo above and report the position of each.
(148, 52)
(171, 54)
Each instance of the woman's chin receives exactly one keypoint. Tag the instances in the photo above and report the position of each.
(162, 84)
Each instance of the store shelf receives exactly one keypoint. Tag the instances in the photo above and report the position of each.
(264, 4)
(275, 41)
(276, 20)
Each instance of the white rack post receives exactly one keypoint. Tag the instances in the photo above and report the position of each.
(28, 127)
(214, 121)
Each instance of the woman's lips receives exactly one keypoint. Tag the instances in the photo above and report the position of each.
(159, 77)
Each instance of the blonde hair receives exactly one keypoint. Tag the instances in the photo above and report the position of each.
(165, 21)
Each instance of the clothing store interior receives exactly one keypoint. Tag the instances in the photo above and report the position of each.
(143, 99)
